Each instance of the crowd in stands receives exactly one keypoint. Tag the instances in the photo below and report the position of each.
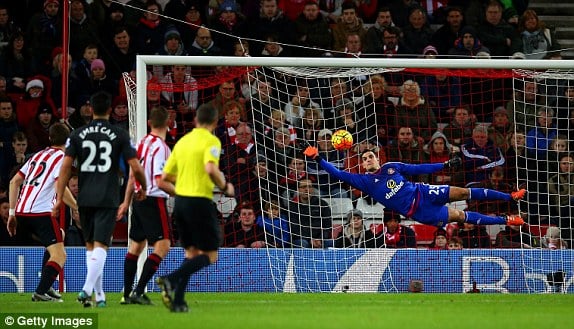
(506, 136)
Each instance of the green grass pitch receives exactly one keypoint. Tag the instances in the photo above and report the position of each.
(356, 311)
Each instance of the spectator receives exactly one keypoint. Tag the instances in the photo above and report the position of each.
(309, 218)
(393, 45)
(473, 236)
(150, 30)
(296, 171)
(74, 235)
(561, 190)
(440, 150)
(417, 34)
(538, 138)
(277, 121)
(45, 33)
(480, 155)
(262, 103)
(227, 93)
(497, 35)
(236, 161)
(328, 187)
(16, 63)
(172, 44)
(244, 233)
(192, 21)
(119, 115)
(295, 108)
(374, 92)
(459, 130)
(275, 225)
(442, 92)
(337, 92)
(74, 86)
(537, 39)
(179, 90)
(81, 116)
(203, 45)
(272, 47)
(515, 237)
(400, 10)
(522, 108)
(406, 148)
(355, 234)
(347, 23)
(83, 67)
(397, 235)
(37, 92)
(230, 24)
(312, 124)
(233, 115)
(13, 157)
(413, 111)
(468, 45)
(262, 185)
(278, 152)
(83, 30)
(312, 31)
(552, 239)
(99, 80)
(558, 145)
(455, 243)
(7, 27)
(121, 56)
(516, 154)
(500, 128)
(271, 20)
(443, 39)
(114, 18)
(564, 107)
(440, 241)
(8, 125)
(37, 131)
(374, 40)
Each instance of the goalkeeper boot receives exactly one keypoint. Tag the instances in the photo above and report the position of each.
(85, 299)
(518, 195)
(514, 220)
(167, 291)
(53, 293)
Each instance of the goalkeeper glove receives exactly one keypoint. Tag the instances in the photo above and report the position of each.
(453, 163)
(311, 152)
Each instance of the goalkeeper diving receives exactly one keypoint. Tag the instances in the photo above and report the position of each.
(422, 202)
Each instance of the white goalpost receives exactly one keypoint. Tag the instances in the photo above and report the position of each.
(293, 101)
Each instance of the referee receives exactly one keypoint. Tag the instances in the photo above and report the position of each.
(190, 174)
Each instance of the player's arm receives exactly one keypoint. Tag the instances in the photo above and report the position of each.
(62, 183)
(429, 168)
(69, 199)
(218, 179)
(166, 183)
(13, 190)
(138, 173)
(352, 179)
(129, 194)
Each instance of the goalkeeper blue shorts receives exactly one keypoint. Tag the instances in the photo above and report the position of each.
(431, 209)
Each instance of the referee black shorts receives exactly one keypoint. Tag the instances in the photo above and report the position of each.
(150, 220)
(197, 223)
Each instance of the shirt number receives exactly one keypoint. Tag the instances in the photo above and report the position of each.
(98, 158)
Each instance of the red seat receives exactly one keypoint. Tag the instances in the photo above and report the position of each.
(424, 233)
(538, 230)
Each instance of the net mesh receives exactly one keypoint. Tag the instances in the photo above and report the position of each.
(268, 114)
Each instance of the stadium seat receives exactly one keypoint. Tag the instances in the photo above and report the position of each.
(493, 231)
(376, 228)
(337, 230)
(225, 205)
(424, 233)
(339, 207)
(538, 231)
(374, 211)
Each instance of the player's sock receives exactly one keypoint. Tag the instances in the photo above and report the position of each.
(46, 257)
(188, 267)
(99, 288)
(150, 267)
(130, 270)
(488, 194)
(95, 267)
(480, 219)
(49, 273)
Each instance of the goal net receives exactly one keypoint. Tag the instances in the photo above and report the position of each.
(509, 124)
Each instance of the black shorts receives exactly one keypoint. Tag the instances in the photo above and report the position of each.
(150, 220)
(98, 224)
(197, 223)
(43, 228)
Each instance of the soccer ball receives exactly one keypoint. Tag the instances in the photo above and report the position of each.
(342, 140)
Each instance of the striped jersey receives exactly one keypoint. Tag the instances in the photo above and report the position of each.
(152, 152)
(38, 191)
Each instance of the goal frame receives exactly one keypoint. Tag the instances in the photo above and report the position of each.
(433, 63)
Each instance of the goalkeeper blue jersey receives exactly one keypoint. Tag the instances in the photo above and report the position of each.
(388, 186)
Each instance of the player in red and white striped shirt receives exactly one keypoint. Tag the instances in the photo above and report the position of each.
(149, 221)
(32, 195)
